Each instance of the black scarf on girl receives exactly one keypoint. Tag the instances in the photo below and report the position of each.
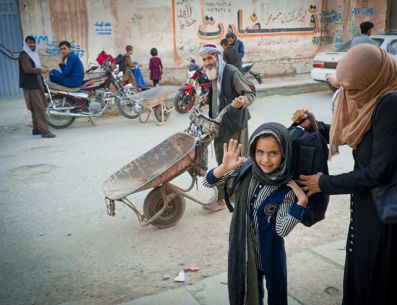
(283, 174)
(242, 277)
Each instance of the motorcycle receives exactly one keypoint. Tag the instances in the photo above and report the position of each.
(196, 80)
(247, 69)
(94, 97)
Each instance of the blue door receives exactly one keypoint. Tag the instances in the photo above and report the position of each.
(10, 45)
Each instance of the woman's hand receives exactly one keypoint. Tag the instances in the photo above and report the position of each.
(331, 79)
(300, 117)
(231, 158)
(299, 193)
(310, 183)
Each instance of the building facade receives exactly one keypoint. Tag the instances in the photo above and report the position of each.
(280, 36)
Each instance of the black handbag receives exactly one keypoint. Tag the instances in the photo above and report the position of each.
(385, 200)
(385, 196)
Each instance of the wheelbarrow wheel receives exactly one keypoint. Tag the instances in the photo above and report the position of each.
(159, 114)
(154, 202)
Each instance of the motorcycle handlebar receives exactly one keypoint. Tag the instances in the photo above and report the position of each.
(91, 69)
(219, 117)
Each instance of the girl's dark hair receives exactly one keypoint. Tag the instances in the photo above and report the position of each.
(65, 43)
(262, 136)
(128, 48)
(224, 42)
(153, 52)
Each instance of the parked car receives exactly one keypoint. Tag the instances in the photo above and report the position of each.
(325, 63)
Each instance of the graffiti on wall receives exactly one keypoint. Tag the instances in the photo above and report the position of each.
(263, 24)
(53, 50)
(210, 20)
(363, 11)
(136, 19)
(51, 46)
(329, 17)
(218, 7)
(259, 29)
(322, 40)
(103, 28)
(40, 38)
(334, 19)
(354, 19)
(184, 16)
(270, 42)
(326, 19)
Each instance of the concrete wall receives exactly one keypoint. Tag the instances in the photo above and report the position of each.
(281, 36)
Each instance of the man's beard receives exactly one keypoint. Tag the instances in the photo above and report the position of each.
(212, 73)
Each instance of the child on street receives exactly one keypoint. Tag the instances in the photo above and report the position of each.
(269, 205)
(155, 67)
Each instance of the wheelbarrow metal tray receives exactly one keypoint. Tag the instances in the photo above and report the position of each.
(159, 165)
(156, 95)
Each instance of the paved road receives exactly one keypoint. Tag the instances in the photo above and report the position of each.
(59, 246)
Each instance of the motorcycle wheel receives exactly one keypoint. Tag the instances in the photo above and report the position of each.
(159, 115)
(59, 122)
(126, 108)
(183, 103)
(154, 202)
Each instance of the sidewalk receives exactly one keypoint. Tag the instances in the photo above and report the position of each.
(314, 278)
(287, 85)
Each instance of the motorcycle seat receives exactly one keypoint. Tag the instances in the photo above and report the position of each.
(58, 87)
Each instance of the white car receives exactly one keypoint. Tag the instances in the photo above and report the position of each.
(325, 63)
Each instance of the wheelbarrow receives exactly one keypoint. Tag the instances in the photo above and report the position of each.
(154, 102)
(180, 153)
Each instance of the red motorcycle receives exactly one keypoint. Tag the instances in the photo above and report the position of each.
(197, 80)
(96, 95)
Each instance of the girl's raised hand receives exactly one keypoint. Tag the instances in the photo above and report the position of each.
(299, 193)
(231, 158)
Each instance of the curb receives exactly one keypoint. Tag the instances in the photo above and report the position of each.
(292, 89)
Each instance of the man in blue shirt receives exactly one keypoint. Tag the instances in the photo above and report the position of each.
(233, 41)
(72, 74)
(366, 30)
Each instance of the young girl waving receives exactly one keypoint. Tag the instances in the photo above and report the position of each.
(268, 206)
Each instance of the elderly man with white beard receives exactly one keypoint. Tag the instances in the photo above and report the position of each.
(228, 87)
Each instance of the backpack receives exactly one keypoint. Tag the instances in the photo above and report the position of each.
(120, 60)
(309, 156)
